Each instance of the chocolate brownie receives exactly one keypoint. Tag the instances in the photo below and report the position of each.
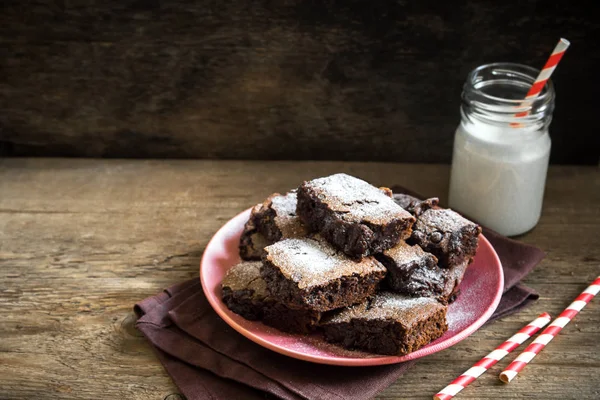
(414, 272)
(452, 238)
(252, 242)
(353, 215)
(245, 293)
(276, 219)
(310, 273)
(447, 235)
(388, 323)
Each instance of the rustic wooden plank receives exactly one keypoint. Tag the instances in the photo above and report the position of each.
(82, 240)
(275, 80)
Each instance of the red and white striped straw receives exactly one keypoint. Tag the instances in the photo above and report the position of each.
(488, 361)
(550, 332)
(545, 73)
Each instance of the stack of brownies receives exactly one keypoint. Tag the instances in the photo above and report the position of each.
(374, 271)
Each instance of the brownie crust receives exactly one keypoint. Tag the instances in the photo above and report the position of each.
(388, 323)
(309, 273)
(354, 216)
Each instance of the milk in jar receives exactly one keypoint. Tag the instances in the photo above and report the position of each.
(500, 160)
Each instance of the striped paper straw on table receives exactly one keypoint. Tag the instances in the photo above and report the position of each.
(488, 361)
(545, 73)
(550, 332)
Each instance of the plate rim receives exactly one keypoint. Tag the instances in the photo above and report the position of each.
(346, 361)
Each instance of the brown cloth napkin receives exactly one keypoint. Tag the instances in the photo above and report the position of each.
(209, 360)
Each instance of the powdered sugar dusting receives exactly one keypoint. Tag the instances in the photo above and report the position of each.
(245, 275)
(387, 305)
(462, 312)
(286, 203)
(399, 303)
(460, 320)
(404, 253)
(403, 308)
(286, 219)
(443, 220)
(356, 200)
(311, 262)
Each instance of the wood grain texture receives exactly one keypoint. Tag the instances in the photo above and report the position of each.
(293, 79)
(82, 240)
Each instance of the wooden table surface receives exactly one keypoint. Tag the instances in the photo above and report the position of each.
(82, 240)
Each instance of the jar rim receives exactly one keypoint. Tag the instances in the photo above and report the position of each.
(525, 71)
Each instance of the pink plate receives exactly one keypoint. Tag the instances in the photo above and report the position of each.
(481, 290)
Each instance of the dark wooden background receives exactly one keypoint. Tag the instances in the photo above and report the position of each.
(338, 80)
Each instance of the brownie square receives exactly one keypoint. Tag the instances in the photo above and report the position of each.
(353, 215)
(388, 323)
(310, 273)
(245, 292)
(414, 272)
(252, 242)
(447, 235)
(450, 237)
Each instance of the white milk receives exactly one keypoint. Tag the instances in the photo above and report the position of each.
(498, 175)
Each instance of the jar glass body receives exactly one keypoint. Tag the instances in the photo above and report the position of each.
(501, 149)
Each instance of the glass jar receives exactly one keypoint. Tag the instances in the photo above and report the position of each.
(500, 159)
